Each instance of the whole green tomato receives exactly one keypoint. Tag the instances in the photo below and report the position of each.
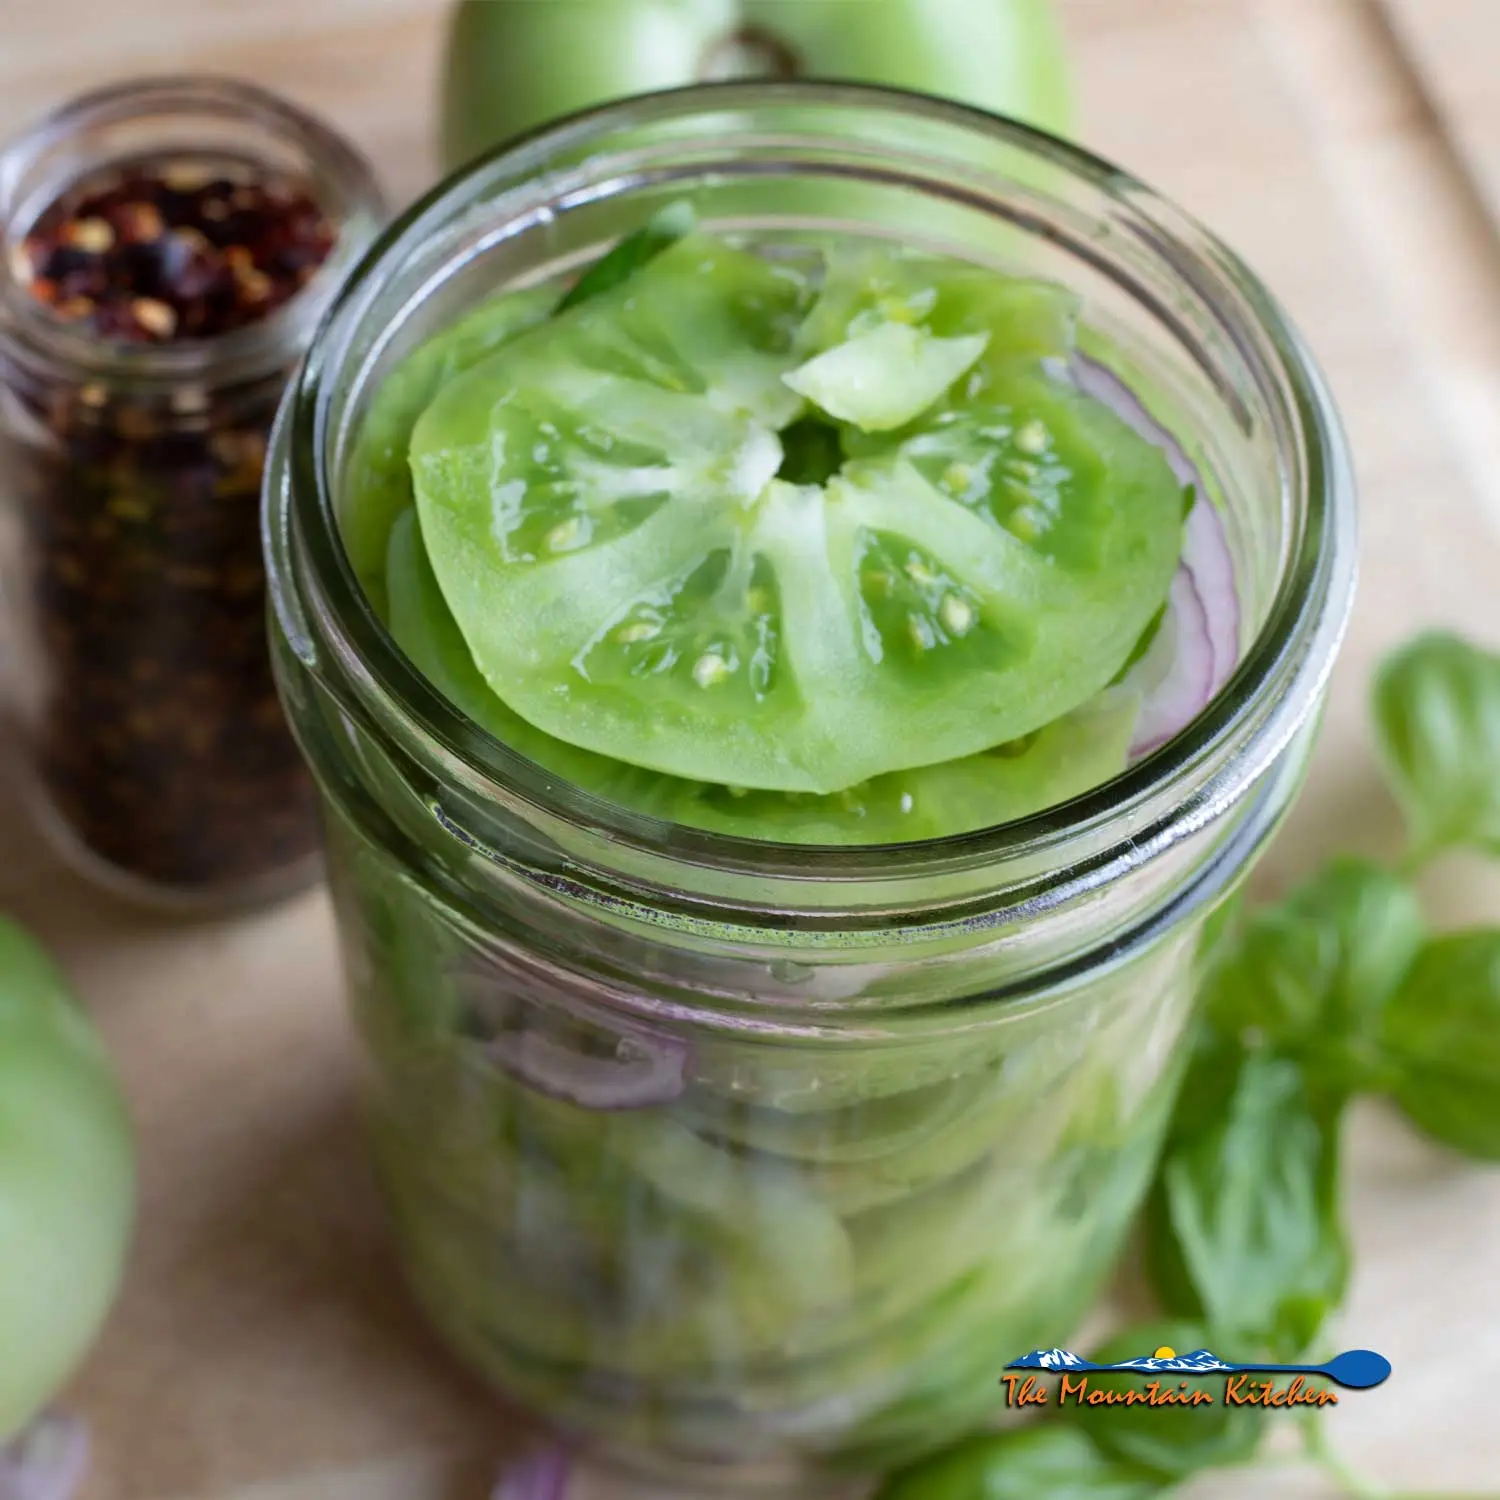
(515, 64)
(67, 1181)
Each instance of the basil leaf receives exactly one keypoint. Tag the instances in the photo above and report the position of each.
(1314, 973)
(1442, 1041)
(662, 230)
(1377, 921)
(1243, 1227)
(1055, 1460)
(1169, 1441)
(1275, 981)
(1437, 722)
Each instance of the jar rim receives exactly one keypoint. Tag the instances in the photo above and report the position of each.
(1177, 789)
(343, 179)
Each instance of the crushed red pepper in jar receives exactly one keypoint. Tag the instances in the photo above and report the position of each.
(187, 249)
(157, 741)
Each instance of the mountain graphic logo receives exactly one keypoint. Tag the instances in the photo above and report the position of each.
(1355, 1369)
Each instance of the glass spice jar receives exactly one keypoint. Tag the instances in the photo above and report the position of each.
(168, 247)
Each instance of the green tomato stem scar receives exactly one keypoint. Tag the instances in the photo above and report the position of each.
(749, 52)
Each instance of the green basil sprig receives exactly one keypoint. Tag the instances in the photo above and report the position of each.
(661, 231)
(1441, 1042)
(1312, 974)
(1052, 1459)
(1437, 724)
(1167, 1442)
(1244, 1229)
(1334, 991)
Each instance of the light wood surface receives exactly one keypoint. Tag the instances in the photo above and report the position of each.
(1452, 47)
(263, 1347)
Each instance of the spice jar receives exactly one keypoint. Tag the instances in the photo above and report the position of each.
(168, 247)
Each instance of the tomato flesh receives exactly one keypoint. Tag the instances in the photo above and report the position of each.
(1063, 760)
(602, 503)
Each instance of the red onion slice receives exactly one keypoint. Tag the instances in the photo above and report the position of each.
(1202, 624)
(1176, 676)
(542, 1475)
(1205, 554)
(1100, 382)
(565, 1052)
(640, 1073)
(45, 1462)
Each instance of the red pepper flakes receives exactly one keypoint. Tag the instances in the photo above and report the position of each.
(183, 249)
(162, 744)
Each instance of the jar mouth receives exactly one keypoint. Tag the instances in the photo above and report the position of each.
(196, 113)
(1176, 790)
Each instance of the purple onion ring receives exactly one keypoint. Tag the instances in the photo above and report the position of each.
(1197, 648)
(47, 1461)
(640, 1073)
(542, 1475)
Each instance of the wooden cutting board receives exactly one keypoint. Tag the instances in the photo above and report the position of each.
(1454, 47)
(263, 1349)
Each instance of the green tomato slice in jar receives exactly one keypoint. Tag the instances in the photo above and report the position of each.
(869, 288)
(378, 485)
(601, 504)
(1060, 761)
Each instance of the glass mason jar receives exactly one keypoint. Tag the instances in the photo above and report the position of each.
(131, 575)
(759, 1158)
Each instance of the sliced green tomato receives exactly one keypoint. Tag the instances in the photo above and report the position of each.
(885, 378)
(654, 1239)
(668, 1306)
(631, 578)
(1062, 760)
(701, 318)
(766, 1205)
(866, 1131)
(869, 287)
(423, 628)
(378, 486)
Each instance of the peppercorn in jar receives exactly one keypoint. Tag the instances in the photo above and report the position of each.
(168, 247)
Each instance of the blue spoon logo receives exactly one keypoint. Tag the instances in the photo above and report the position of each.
(1355, 1369)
